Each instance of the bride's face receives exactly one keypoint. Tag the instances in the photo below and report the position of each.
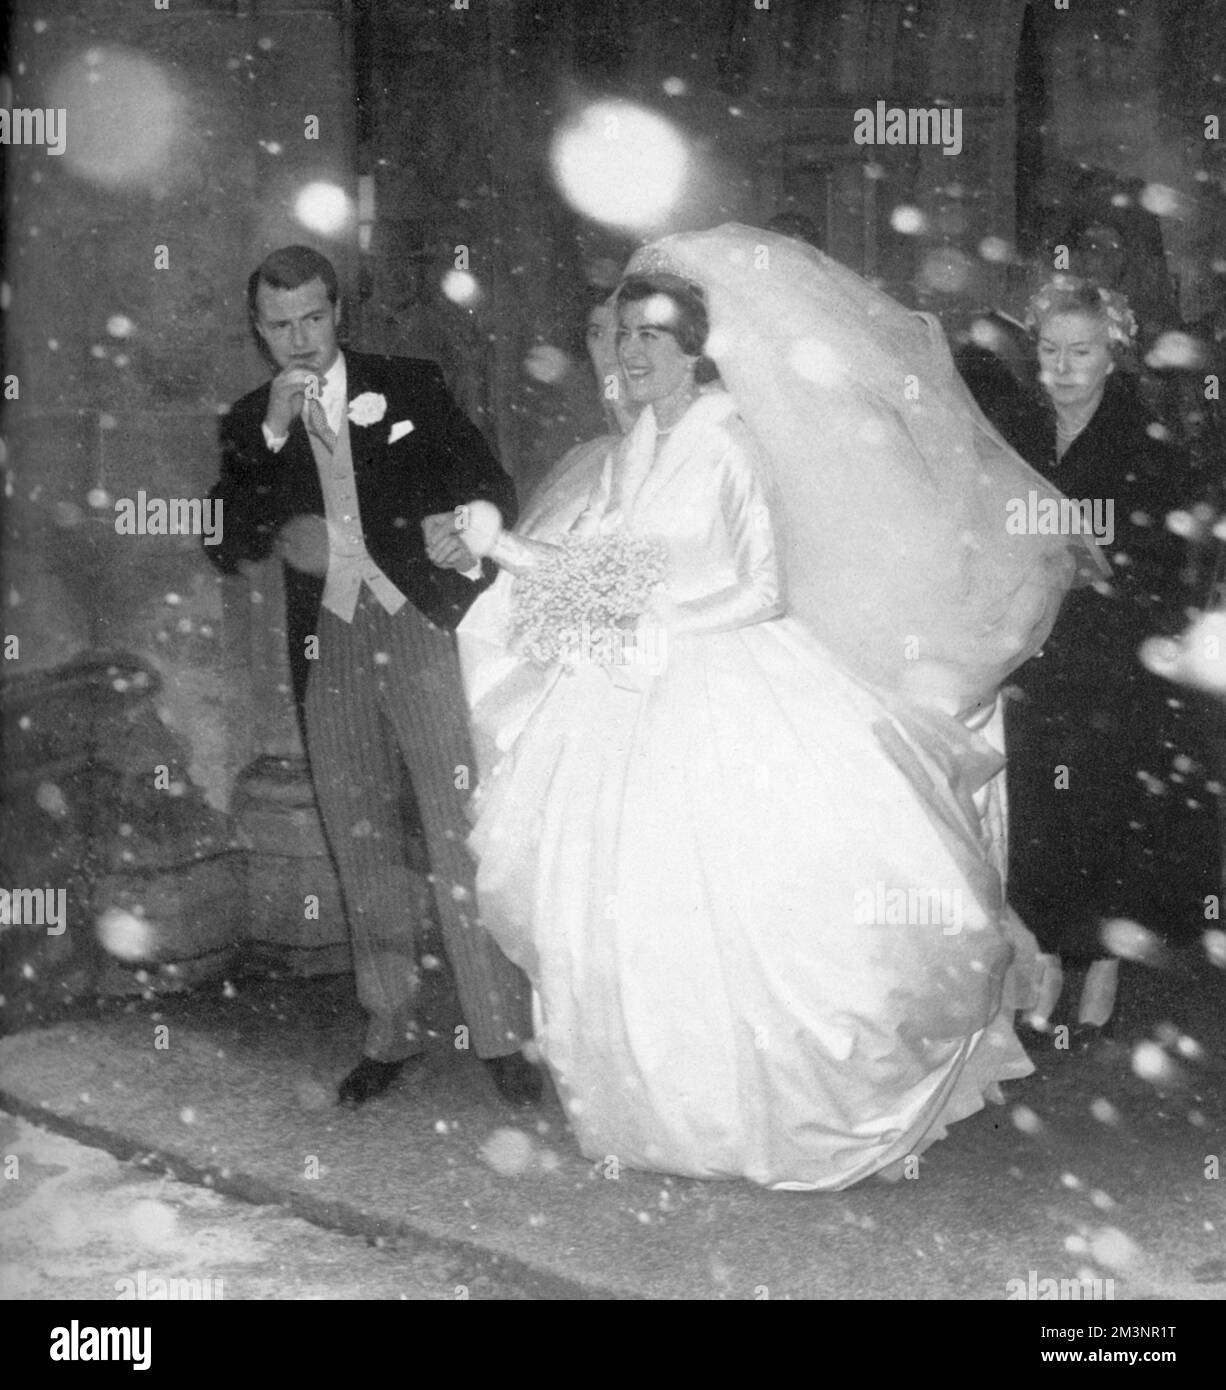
(654, 364)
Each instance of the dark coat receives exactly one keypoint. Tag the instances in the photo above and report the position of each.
(1134, 832)
(442, 463)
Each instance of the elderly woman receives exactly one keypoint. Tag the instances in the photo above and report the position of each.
(1110, 818)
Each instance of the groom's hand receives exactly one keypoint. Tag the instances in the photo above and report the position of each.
(285, 398)
(443, 544)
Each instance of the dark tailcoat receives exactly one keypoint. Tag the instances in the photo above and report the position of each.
(440, 464)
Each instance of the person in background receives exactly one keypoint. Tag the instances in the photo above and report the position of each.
(551, 510)
(1110, 817)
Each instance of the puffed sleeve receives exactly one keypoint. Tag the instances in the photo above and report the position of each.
(758, 593)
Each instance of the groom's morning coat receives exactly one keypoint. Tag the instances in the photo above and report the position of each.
(441, 463)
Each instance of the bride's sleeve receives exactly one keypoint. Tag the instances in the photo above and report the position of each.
(517, 554)
(757, 593)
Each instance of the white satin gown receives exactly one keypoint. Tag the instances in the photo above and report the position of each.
(759, 908)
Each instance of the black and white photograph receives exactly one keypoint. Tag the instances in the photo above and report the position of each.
(614, 662)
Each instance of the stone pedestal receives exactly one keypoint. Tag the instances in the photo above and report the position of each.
(295, 920)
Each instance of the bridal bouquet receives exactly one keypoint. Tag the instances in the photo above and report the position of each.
(581, 602)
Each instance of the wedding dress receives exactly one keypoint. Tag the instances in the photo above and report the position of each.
(755, 891)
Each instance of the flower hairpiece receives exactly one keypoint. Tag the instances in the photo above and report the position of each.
(1121, 321)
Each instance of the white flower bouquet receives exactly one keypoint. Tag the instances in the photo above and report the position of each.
(582, 600)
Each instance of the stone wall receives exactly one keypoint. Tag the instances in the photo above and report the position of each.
(139, 684)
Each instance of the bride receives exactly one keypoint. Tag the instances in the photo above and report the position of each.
(753, 882)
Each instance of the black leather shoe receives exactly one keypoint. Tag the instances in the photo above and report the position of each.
(367, 1080)
(518, 1081)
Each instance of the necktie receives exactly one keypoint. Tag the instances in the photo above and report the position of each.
(317, 423)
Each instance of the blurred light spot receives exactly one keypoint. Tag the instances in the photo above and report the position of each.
(1104, 1112)
(1130, 940)
(1112, 1248)
(120, 326)
(908, 220)
(324, 208)
(986, 334)
(675, 87)
(126, 936)
(1214, 941)
(619, 164)
(187, 1115)
(271, 146)
(508, 1152)
(1101, 1199)
(1151, 1063)
(51, 799)
(1160, 199)
(124, 116)
(546, 364)
(995, 248)
(816, 361)
(1026, 1120)
(1175, 350)
(1198, 658)
(460, 287)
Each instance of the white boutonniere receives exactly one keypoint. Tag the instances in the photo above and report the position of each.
(367, 409)
(399, 430)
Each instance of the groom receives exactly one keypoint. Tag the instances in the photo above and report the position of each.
(345, 466)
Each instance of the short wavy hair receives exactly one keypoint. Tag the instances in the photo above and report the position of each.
(286, 269)
(691, 325)
(1070, 294)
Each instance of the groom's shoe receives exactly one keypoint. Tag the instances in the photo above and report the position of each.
(518, 1081)
(369, 1079)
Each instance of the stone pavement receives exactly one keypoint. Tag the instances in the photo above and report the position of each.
(1090, 1169)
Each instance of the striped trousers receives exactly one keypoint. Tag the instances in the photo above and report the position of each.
(386, 695)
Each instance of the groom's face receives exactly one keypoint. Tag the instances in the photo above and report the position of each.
(298, 326)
